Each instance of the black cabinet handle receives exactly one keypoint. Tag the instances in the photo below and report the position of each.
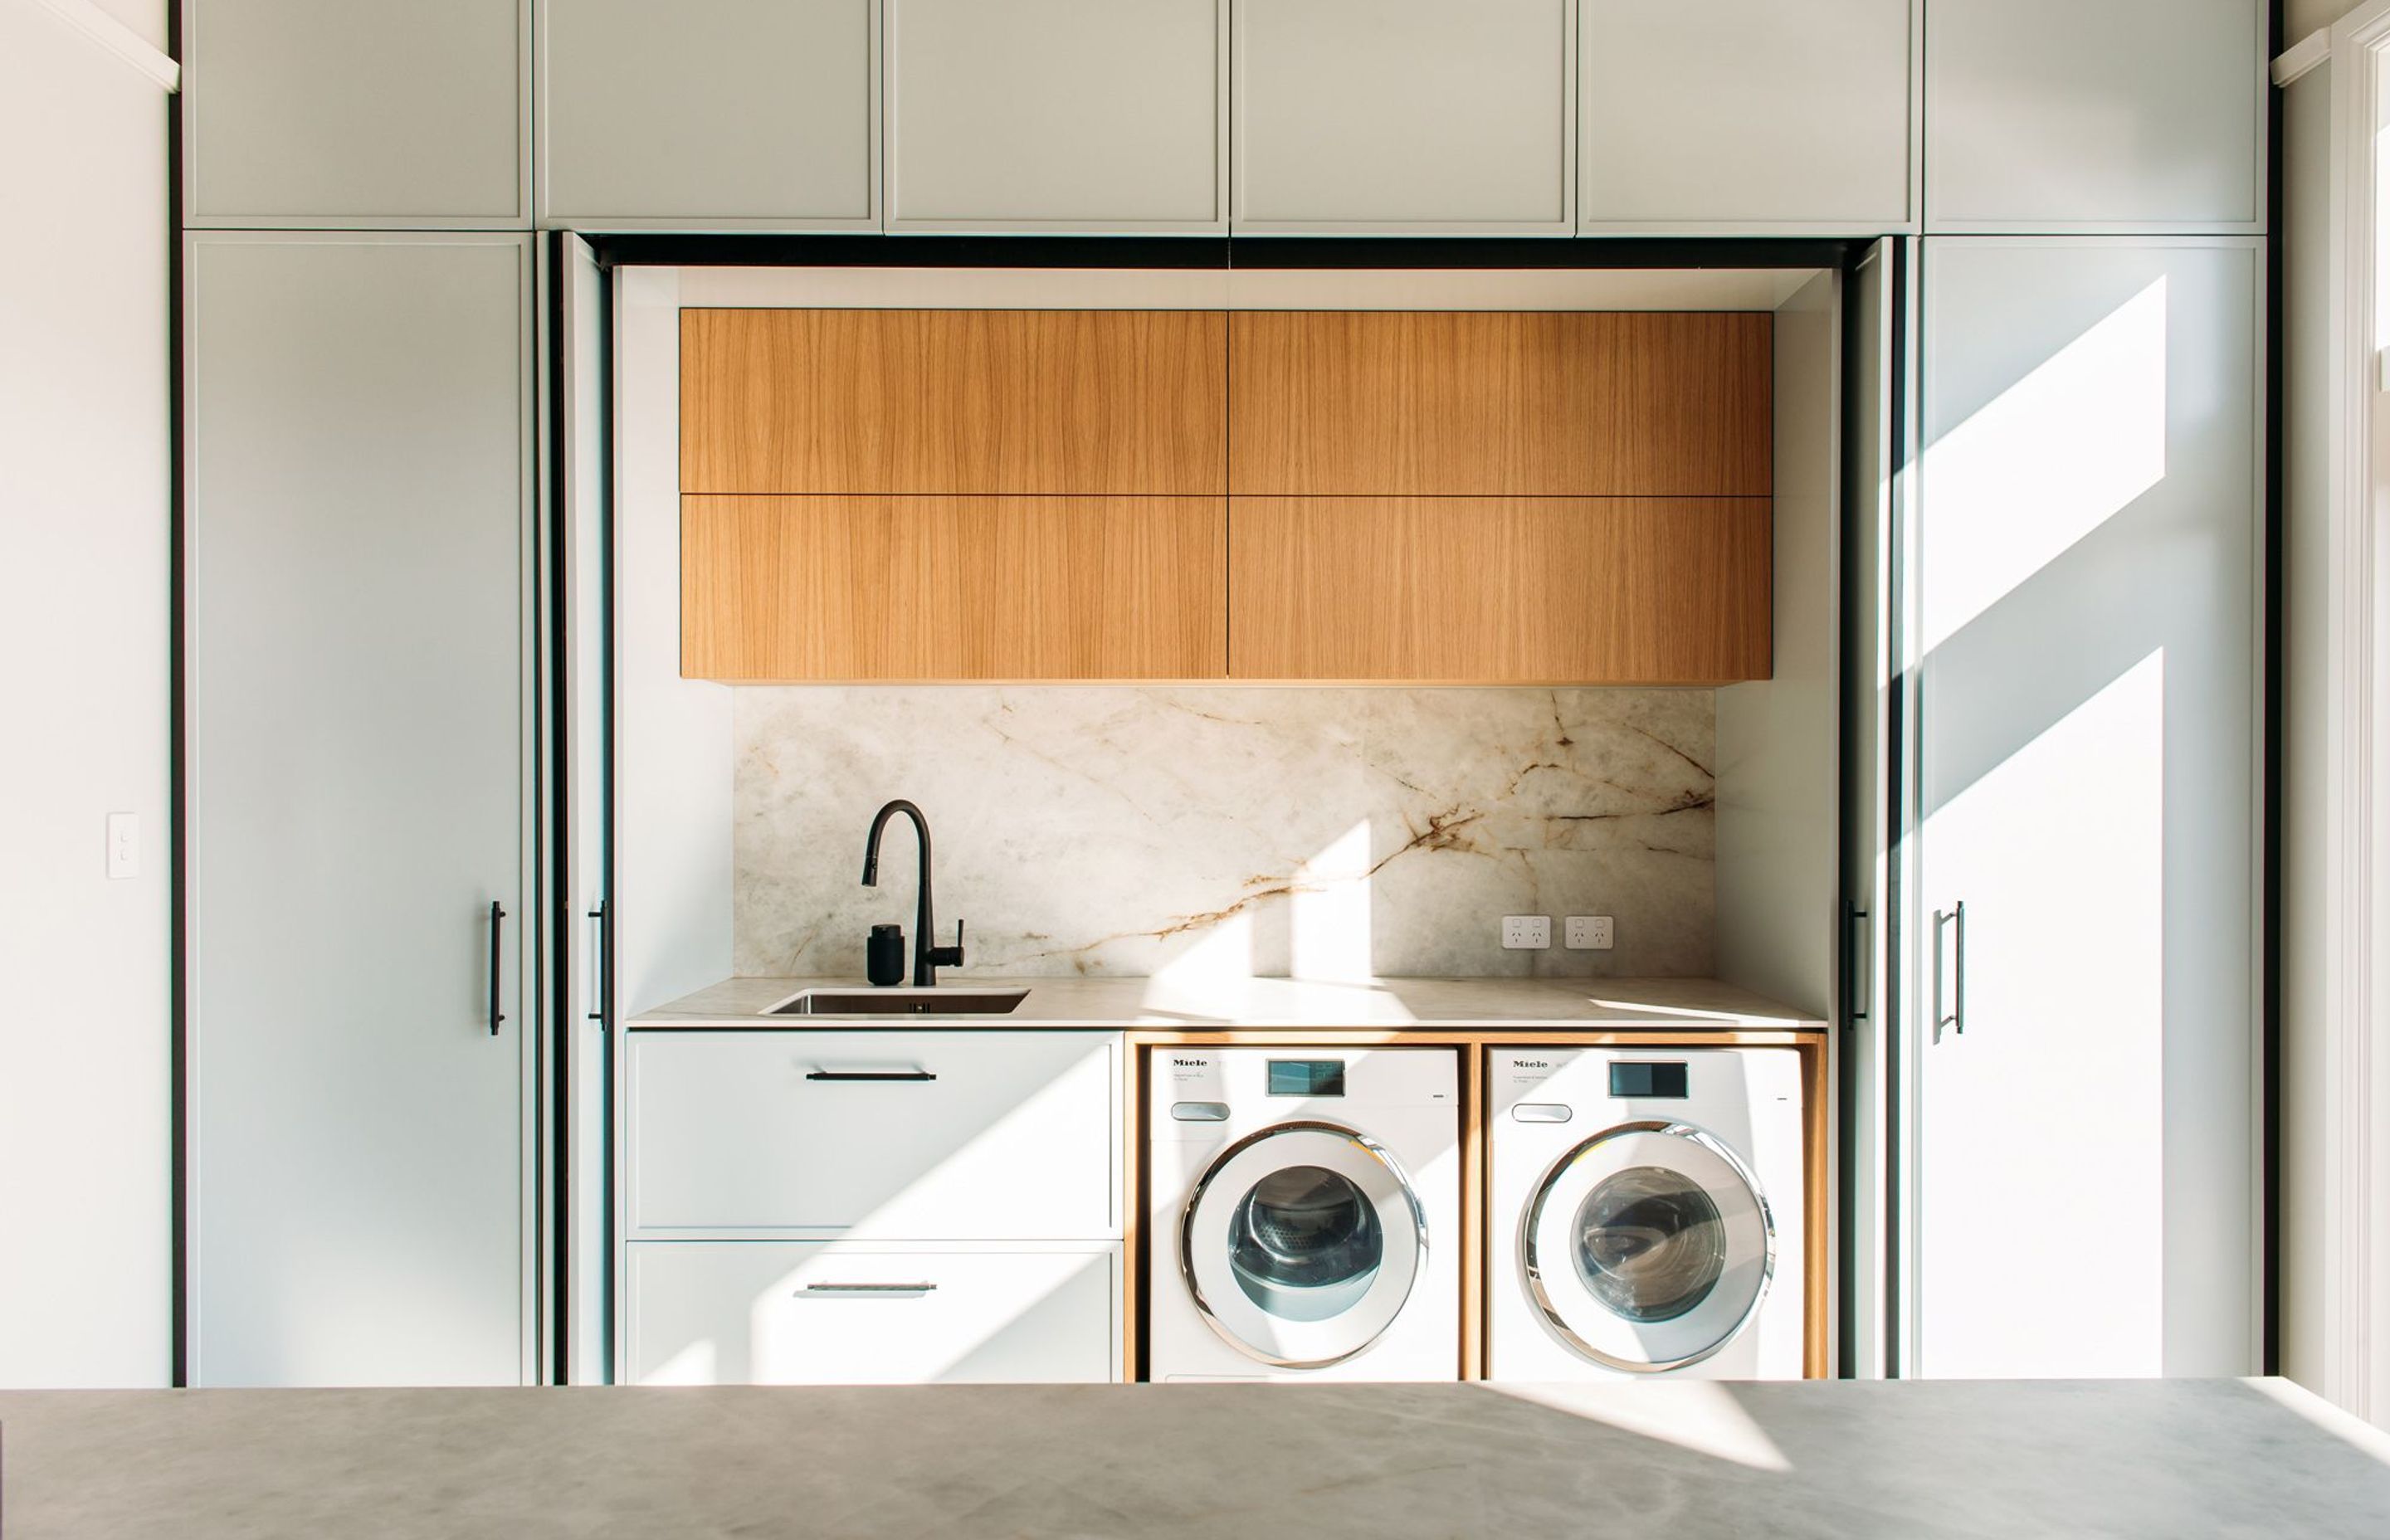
(497, 957)
(915, 1075)
(604, 916)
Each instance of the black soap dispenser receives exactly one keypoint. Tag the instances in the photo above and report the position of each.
(884, 955)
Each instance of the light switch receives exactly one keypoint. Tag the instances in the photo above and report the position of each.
(123, 846)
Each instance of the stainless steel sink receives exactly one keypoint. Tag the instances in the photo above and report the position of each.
(902, 1000)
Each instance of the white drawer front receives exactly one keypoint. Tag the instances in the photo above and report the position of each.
(972, 1135)
(843, 1312)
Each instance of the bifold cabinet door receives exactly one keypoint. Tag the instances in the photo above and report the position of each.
(357, 112)
(360, 1026)
(1742, 115)
(1360, 115)
(708, 113)
(2085, 931)
(1056, 115)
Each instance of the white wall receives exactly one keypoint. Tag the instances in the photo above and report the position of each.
(672, 767)
(85, 1286)
(1778, 790)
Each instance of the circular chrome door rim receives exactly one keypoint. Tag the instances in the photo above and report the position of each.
(1406, 1244)
(1531, 1265)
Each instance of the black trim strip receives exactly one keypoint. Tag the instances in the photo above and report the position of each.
(2269, 946)
(659, 249)
(178, 779)
(556, 1031)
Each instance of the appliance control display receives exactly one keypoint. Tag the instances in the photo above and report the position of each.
(1306, 1077)
(1648, 1080)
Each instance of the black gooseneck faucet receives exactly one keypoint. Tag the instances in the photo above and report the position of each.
(927, 958)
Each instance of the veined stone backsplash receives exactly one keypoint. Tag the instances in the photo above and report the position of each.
(1286, 831)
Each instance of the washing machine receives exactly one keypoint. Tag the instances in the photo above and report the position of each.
(1303, 1216)
(1646, 1213)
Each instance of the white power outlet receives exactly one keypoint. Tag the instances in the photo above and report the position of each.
(1526, 933)
(1590, 934)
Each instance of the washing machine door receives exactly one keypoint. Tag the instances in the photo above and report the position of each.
(1647, 1247)
(1300, 1243)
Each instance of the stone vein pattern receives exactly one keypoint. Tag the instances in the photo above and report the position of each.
(1269, 832)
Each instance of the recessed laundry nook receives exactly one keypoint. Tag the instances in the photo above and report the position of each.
(1507, 767)
(1207, 684)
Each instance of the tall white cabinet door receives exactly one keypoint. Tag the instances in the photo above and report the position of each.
(2084, 1038)
(359, 493)
(331, 114)
(1395, 115)
(2095, 115)
(1056, 115)
(709, 114)
(1743, 115)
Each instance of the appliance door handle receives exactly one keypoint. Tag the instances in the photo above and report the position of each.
(910, 1076)
(1955, 1018)
(871, 1289)
(497, 961)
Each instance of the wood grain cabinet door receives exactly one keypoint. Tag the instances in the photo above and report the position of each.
(1500, 590)
(978, 402)
(851, 588)
(1499, 404)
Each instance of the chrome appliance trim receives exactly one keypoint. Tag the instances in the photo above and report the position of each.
(1530, 1266)
(1369, 1146)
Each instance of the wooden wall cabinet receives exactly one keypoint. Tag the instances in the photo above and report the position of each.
(1066, 402)
(1515, 590)
(797, 588)
(1583, 404)
(1485, 498)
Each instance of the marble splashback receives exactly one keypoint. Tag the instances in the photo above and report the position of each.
(1316, 833)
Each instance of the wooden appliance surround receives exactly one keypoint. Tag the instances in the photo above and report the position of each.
(1476, 1244)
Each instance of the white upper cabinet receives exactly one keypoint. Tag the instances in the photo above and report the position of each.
(709, 113)
(1057, 114)
(1714, 115)
(357, 113)
(2047, 116)
(1403, 115)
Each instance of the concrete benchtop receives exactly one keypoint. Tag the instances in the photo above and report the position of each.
(1679, 1460)
(1384, 1005)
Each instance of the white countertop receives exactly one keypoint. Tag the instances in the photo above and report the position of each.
(1384, 1005)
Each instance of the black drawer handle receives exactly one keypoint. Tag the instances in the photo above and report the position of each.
(915, 1075)
(871, 1289)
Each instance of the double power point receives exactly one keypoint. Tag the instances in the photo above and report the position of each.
(1533, 932)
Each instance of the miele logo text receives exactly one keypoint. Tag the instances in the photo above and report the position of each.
(1192, 1063)
(1531, 1063)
